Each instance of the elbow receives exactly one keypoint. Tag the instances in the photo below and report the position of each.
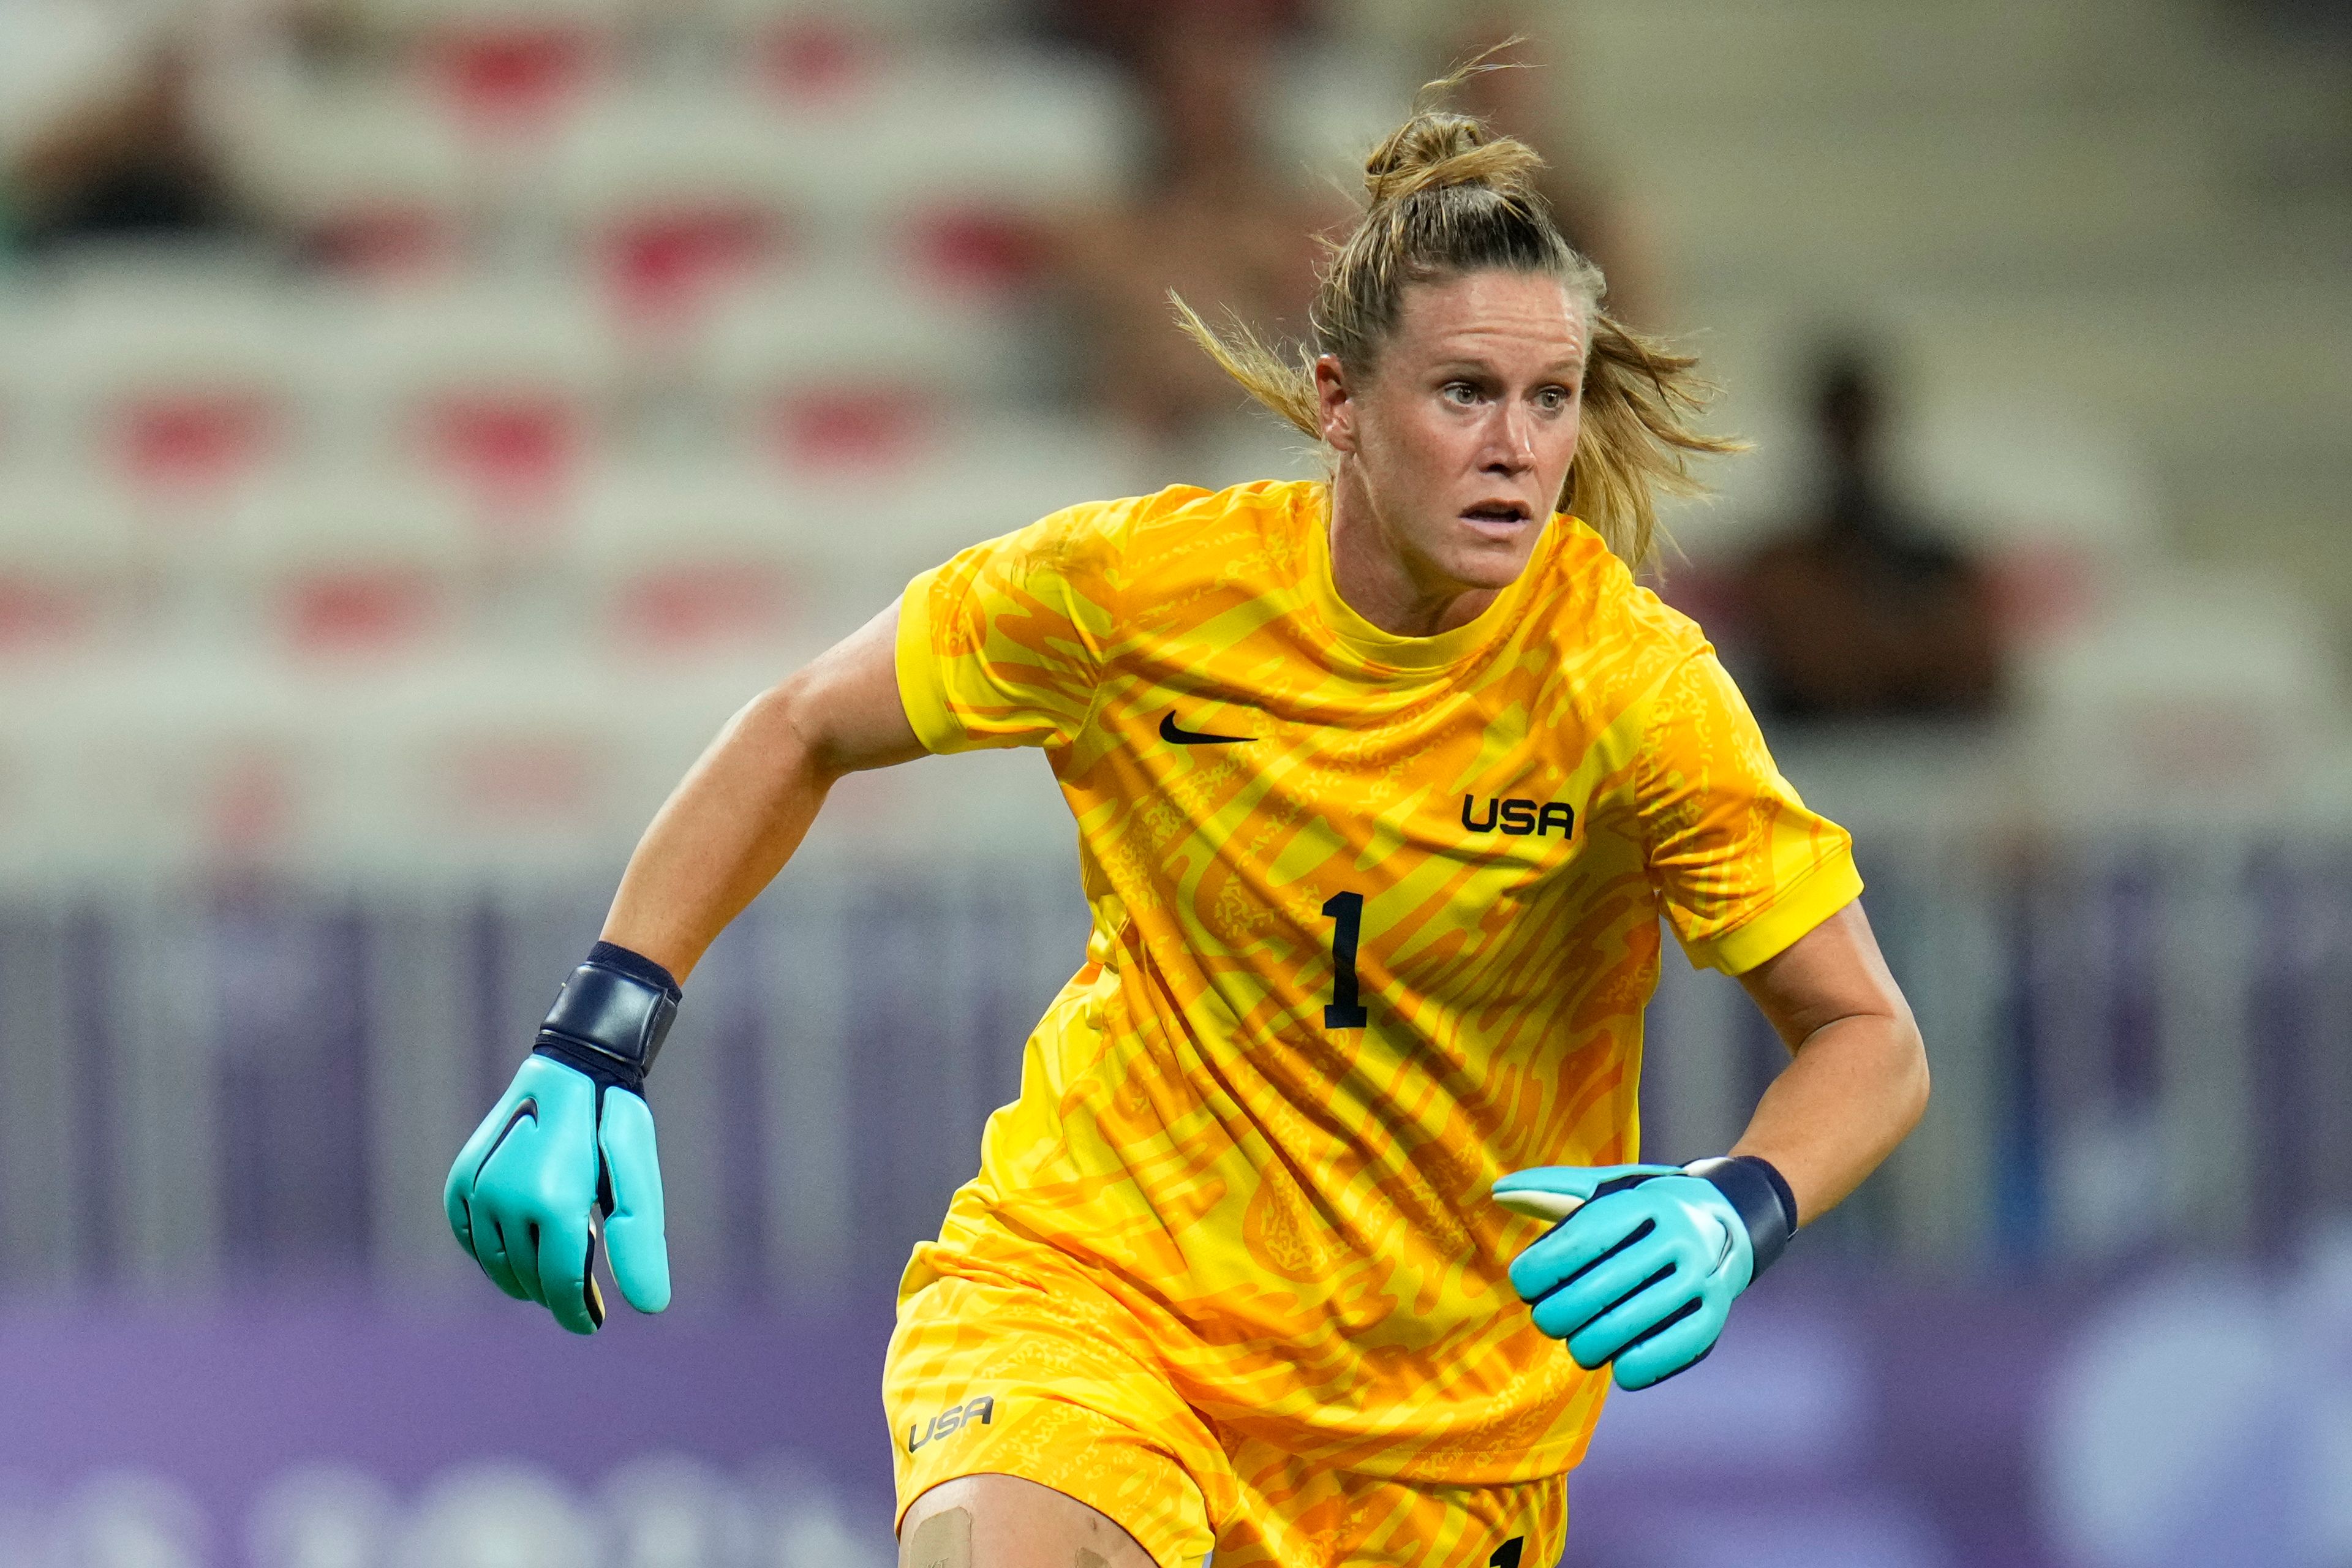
(1917, 1079)
(779, 725)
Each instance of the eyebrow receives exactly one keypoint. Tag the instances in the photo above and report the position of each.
(1557, 367)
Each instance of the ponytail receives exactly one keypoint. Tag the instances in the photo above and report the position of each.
(1446, 196)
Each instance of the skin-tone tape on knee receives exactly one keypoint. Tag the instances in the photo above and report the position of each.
(942, 1541)
(1092, 1559)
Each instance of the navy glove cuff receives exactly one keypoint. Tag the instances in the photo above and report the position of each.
(611, 1017)
(1760, 1195)
(637, 966)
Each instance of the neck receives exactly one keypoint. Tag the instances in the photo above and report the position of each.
(1378, 581)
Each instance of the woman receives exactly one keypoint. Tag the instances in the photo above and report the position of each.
(1382, 785)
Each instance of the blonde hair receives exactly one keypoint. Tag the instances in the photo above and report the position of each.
(1447, 195)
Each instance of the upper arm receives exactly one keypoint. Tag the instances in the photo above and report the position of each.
(1832, 972)
(846, 708)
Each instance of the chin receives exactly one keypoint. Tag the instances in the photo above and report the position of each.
(1490, 565)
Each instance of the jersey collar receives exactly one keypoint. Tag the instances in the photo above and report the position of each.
(1388, 648)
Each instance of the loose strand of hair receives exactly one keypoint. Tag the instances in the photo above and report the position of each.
(1640, 401)
(1285, 386)
(1508, 163)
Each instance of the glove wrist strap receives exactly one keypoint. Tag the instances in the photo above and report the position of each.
(611, 1017)
(1760, 1194)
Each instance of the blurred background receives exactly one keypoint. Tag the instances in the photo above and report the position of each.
(391, 389)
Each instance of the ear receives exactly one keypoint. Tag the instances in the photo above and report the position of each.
(1338, 409)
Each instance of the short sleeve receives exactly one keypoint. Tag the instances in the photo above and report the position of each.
(1002, 645)
(1742, 865)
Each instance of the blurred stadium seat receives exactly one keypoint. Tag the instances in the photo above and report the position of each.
(686, 558)
(352, 561)
(71, 561)
(516, 73)
(434, 768)
(957, 156)
(973, 479)
(2188, 697)
(407, 18)
(672, 190)
(895, 20)
(128, 767)
(367, 176)
(27, 418)
(808, 547)
(2062, 511)
(506, 385)
(177, 374)
(856, 366)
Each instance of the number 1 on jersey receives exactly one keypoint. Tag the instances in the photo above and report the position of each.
(1345, 1012)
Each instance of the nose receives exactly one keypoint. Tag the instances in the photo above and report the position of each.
(1510, 440)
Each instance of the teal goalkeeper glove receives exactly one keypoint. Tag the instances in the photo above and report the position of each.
(1643, 1267)
(572, 1142)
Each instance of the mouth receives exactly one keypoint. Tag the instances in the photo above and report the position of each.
(1499, 519)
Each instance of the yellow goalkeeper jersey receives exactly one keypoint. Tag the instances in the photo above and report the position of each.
(1374, 921)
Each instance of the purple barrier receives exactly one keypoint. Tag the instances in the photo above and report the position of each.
(2175, 1418)
(270, 1431)
(1839, 1422)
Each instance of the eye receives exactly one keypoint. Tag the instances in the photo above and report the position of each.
(1553, 399)
(1461, 393)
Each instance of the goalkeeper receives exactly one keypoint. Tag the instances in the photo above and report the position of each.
(1317, 1235)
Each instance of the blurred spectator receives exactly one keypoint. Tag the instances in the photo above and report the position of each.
(1535, 101)
(1860, 612)
(1218, 221)
(1130, 33)
(120, 156)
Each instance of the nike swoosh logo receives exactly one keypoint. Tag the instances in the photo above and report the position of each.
(527, 1112)
(1172, 731)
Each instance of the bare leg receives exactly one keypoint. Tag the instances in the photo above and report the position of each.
(1004, 1521)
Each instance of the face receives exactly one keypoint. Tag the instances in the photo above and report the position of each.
(1456, 446)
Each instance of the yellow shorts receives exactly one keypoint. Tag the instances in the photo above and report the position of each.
(1047, 1378)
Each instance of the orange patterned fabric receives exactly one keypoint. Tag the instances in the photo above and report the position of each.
(1043, 1376)
(1037, 1376)
(1271, 1152)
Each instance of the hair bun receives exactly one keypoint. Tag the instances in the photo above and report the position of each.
(1438, 148)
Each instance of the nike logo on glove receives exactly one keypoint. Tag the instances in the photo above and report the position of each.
(1172, 731)
(527, 1112)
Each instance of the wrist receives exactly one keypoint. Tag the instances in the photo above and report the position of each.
(637, 966)
(1760, 1196)
(611, 1017)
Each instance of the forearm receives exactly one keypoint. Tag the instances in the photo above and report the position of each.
(728, 828)
(723, 836)
(1854, 1089)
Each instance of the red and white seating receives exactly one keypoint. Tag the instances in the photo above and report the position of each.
(507, 389)
(348, 562)
(71, 576)
(849, 369)
(177, 378)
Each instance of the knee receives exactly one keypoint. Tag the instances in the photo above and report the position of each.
(1005, 1521)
